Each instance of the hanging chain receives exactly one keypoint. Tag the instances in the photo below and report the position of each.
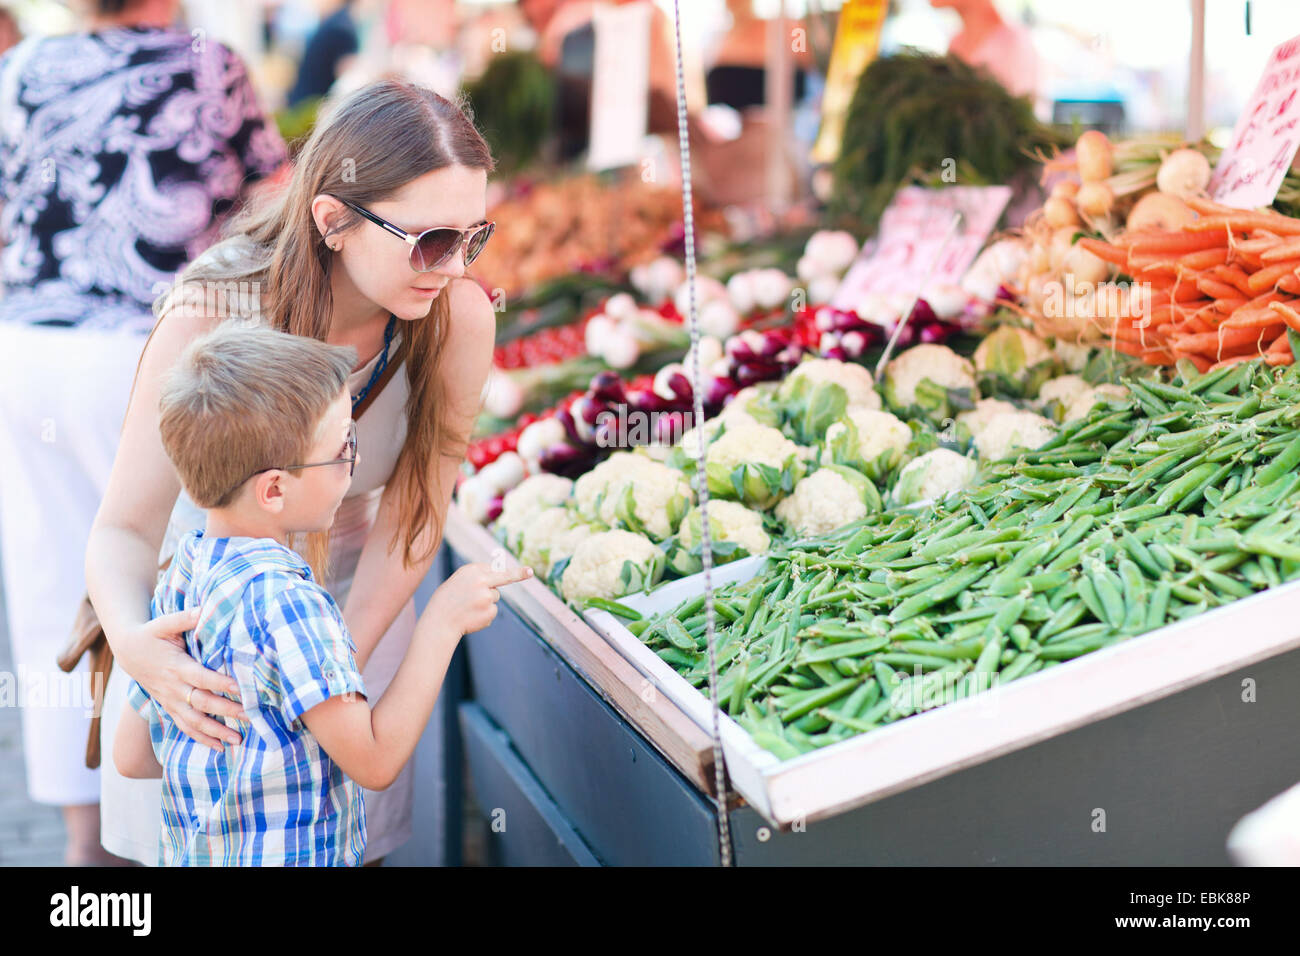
(701, 482)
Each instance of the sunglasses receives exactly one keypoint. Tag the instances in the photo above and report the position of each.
(435, 246)
(348, 458)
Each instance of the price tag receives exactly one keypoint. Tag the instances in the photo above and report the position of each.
(911, 235)
(1252, 168)
(620, 85)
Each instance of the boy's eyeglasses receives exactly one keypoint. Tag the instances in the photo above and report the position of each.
(348, 458)
(435, 246)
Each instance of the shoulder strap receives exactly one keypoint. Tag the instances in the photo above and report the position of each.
(389, 372)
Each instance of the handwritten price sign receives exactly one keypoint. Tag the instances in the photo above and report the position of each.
(911, 235)
(1264, 142)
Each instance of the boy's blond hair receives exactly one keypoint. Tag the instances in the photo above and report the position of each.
(243, 399)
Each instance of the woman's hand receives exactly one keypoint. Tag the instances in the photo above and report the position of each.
(467, 601)
(153, 653)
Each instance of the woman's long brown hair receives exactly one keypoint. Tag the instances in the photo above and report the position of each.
(372, 144)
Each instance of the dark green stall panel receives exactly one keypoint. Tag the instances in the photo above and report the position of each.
(525, 827)
(630, 805)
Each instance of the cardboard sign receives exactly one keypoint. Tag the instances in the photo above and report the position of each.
(620, 85)
(1264, 142)
(909, 252)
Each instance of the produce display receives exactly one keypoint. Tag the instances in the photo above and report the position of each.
(1178, 498)
(581, 224)
(894, 134)
(1225, 287)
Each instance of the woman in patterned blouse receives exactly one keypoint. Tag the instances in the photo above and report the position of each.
(122, 149)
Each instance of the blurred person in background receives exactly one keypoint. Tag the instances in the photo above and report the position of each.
(9, 32)
(329, 47)
(122, 148)
(985, 40)
(737, 76)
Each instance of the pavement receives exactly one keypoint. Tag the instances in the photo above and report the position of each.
(31, 834)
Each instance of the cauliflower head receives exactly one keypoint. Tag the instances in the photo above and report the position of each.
(922, 376)
(933, 476)
(611, 564)
(734, 532)
(971, 424)
(634, 491)
(854, 379)
(1083, 403)
(872, 440)
(1008, 432)
(1063, 389)
(525, 500)
(754, 464)
(550, 536)
(827, 499)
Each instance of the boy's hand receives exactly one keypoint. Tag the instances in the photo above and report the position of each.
(467, 601)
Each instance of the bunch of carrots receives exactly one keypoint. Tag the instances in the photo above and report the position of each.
(1225, 288)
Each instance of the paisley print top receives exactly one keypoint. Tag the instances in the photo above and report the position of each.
(120, 153)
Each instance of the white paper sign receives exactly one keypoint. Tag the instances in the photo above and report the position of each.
(909, 246)
(620, 85)
(1264, 142)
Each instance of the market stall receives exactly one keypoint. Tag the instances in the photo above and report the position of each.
(960, 545)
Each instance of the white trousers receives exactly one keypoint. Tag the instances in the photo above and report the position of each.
(63, 395)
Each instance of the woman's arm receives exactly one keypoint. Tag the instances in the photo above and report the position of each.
(133, 749)
(122, 553)
(383, 584)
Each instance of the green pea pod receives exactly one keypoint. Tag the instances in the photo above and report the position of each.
(1158, 609)
(863, 696)
(847, 720)
(678, 636)
(1135, 594)
(1088, 594)
(1018, 667)
(774, 744)
(950, 651)
(820, 698)
(833, 652)
(990, 656)
(1281, 465)
(956, 583)
(1109, 594)
(1069, 614)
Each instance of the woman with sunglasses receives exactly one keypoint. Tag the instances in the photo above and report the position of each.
(367, 246)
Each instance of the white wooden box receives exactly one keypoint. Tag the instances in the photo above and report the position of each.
(957, 735)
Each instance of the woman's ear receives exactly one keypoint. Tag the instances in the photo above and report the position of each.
(327, 212)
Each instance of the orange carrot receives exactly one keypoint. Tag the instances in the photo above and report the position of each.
(1175, 243)
(1244, 221)
(1279, 251)
(1229, 339)
(1267, 277)
(1290, 284)
(1205, 258)
(1208, 207)
(1216, 288)
(1226, 306)
(1202, 363)
(1105, 251)
(1234, 275)
(1287, 314)
(1157, 357)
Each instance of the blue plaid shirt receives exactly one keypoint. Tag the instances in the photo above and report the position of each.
(276, 799)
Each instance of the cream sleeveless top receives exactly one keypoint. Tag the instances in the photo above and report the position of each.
(380, 434)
